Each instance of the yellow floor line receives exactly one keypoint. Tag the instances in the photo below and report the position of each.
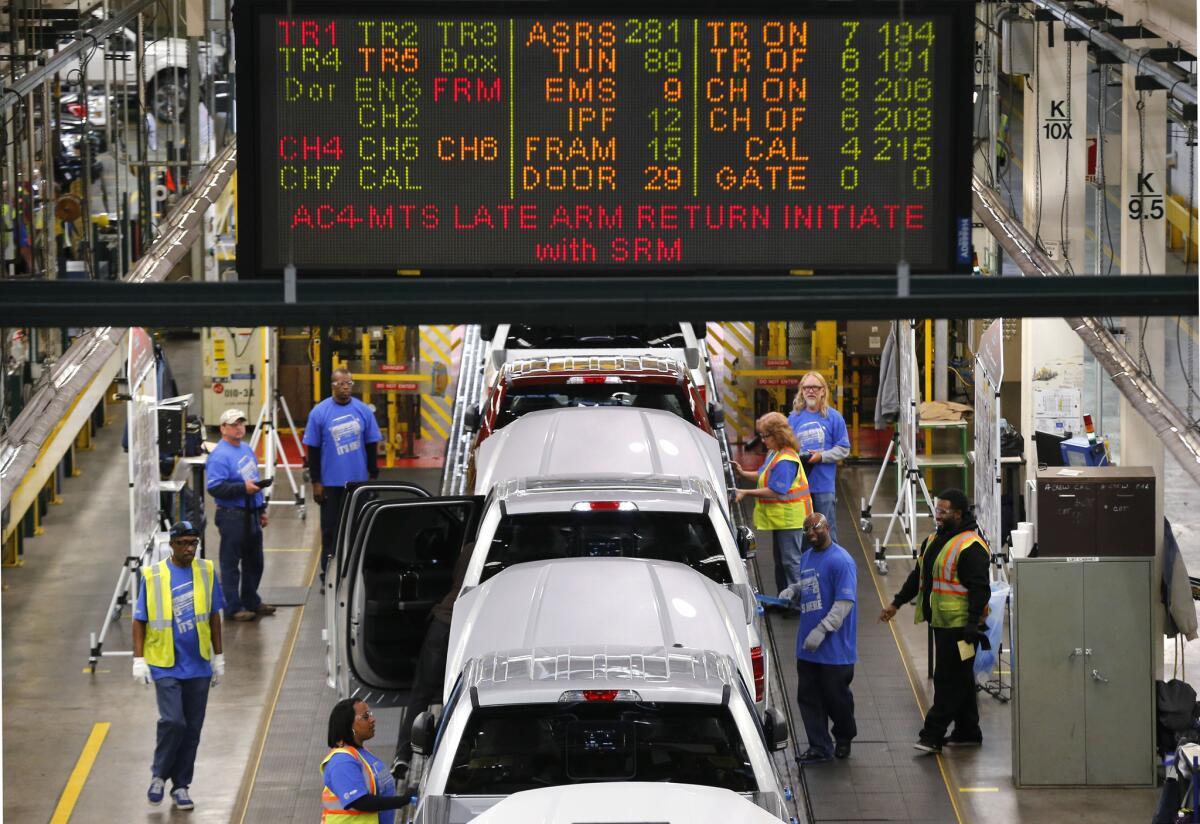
(883, 602)
(979, 789)
(247, 789)
(79, 775)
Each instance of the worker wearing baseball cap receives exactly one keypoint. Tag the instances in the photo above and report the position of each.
(241, 515)
(177, 645)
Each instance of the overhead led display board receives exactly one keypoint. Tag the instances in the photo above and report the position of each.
(461, 138)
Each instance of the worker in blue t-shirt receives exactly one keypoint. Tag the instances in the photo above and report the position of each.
(340, 435)
(177, 645)
(356, 782)
(826, 644)
(821, 432)
(232, 471)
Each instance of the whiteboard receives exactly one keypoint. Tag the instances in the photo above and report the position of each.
(142, 423)
(989, 372)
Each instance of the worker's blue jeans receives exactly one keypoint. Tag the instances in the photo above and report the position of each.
(181, 705)
(787, 546)
(241, 559)
(826, 504)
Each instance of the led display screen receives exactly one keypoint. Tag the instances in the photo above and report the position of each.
(457, 139)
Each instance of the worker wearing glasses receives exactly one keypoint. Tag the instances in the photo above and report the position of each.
(358, 787)
(821, 432)
(951, 587)
(341, 434)
(781, 498)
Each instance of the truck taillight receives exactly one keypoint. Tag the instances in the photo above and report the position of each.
(590, 379)
(604, 506)
(760, 682)
(573, 696)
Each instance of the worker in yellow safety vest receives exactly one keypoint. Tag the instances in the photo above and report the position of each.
(359, 788)
(177, 645)
(951, 585)
(781, 497)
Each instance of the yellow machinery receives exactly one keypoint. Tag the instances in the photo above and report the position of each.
(405, 367)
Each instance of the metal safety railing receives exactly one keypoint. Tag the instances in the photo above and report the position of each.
(468, 394)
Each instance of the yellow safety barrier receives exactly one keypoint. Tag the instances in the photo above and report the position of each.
(1182, 226)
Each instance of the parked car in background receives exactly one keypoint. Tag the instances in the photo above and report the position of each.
(164, 67)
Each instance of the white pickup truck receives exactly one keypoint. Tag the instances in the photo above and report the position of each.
(644, 484)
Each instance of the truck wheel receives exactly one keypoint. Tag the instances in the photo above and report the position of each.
(168, 96)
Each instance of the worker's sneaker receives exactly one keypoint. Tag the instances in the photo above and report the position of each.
(244, 615)
(928, 745)
(155, 794)
(841, 749)
(264, 609)
(811, 756)
(181, 799)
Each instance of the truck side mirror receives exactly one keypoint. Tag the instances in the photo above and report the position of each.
(747, 543)
(775, 729)
(471, 420)
(692, 356)
(716, 415)
(498, 358)
(424, 731)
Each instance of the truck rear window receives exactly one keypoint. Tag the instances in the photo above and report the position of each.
(520, 400)
(575, 336)
(682, 537)
(505, 750)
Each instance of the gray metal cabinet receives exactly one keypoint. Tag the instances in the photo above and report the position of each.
(1083, 672)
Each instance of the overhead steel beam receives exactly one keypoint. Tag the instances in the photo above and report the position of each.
(1182, 89)
(603, 299)
(69, 56)
(1177, 432)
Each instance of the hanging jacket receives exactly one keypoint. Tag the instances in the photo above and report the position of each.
(887, 397)
(159, 648)
(1176, 590)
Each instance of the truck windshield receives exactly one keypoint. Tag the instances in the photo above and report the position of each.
(505, 750)
(682, 537)
(520, 400)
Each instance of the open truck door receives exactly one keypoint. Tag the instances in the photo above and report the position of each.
(398, 563)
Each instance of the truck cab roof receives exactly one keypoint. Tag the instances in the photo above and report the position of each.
(612, 442)
(542, 675)
(657, 801)
(573, 606)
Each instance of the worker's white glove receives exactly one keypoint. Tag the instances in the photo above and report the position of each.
(218, 668)
(787, 593)
(814, 638)
(141, 672)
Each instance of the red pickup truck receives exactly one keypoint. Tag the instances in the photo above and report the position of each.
(642, 381)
